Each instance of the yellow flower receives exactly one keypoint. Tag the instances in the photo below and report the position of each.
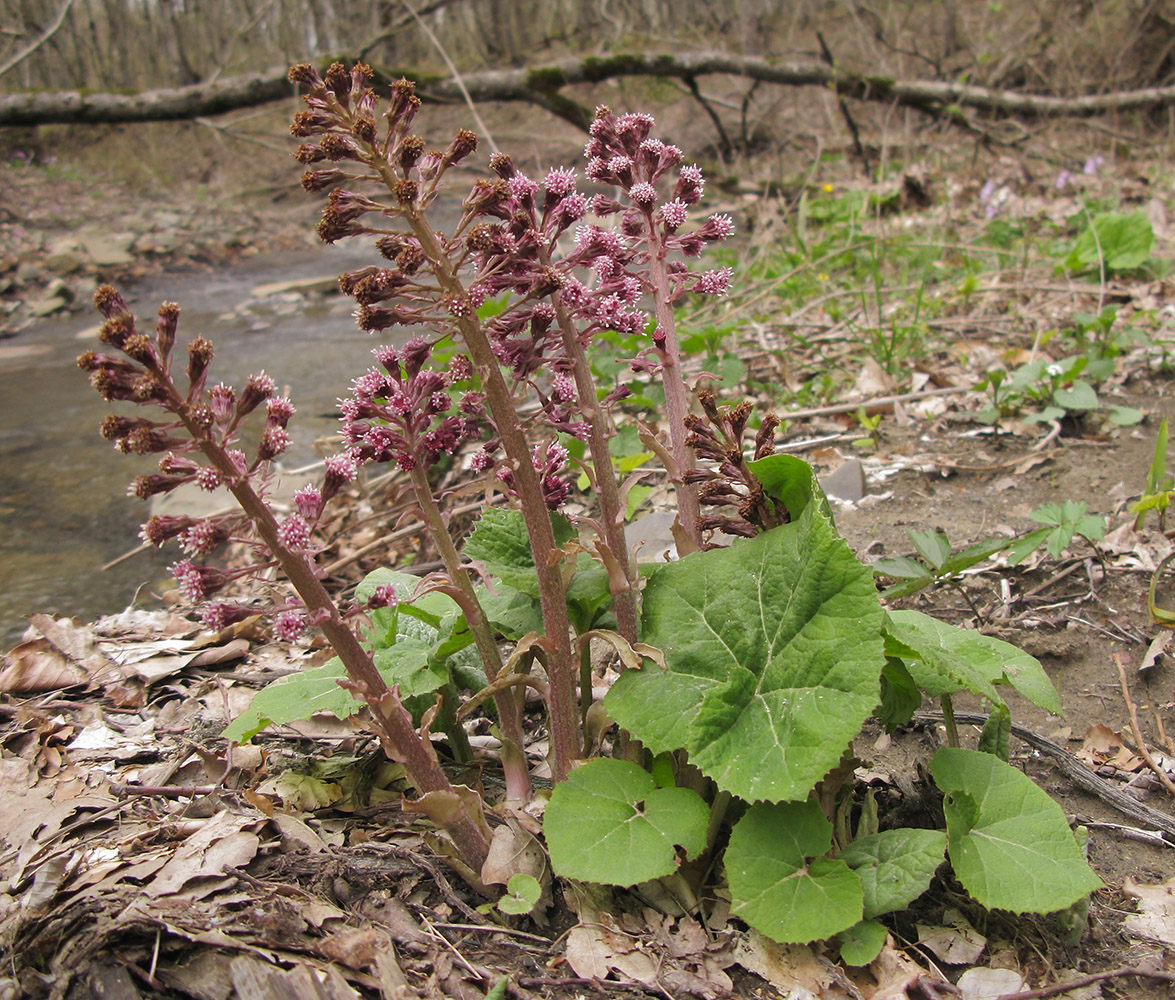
(826, 188)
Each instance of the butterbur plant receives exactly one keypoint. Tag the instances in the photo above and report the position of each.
(745, 671)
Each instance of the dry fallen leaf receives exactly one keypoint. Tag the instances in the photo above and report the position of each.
(956, 944)
(794, 968)
(1155, 919)
(36, 666)
(222, 842)
(988, 984)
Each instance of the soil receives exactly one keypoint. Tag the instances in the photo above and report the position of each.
(143, 861)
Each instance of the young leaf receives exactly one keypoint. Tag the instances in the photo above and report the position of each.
(293, 698)
(1080, 395)
(1123, 240)
(774, 886)
(1008, 842)
(862, 942)
(522, 893)
(900, 696)
(791, 481)
(974, 554)
(997, 731)
(610, 823)
(1022, 548)
(896, 866)
(948, 659)
(931, 545)
(901, 568)
(773, 653)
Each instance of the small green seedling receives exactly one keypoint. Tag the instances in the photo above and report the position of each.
(1062, 522)
(938, 564)
(1158, 493)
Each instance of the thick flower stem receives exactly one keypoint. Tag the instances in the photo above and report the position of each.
(676, 401)
(518, 788)
(561, 664)
(607, 489)
(401, 741)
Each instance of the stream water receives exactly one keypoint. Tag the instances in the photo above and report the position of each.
(64, 512)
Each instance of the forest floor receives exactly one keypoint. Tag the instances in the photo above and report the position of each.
(142, 859)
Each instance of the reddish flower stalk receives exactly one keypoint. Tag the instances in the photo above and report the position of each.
(146, 379)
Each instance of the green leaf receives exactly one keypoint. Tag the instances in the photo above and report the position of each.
(610, 823)
(499, 990)
(895, 866)
(1123, 239)
(900, 696)
(997, 731)
(1045, 415)
(791, 481)
(1022, 548)
(776, 888)
(931, 545)
(522, 893)
(501, 542)
(949, 659)
(862, 942)
(1125, 416)
(293, 698)
(510, 611)
(1007, 840)
(974, 554)
(1078, 396)
(773, 653)
(1157, 472)
(901, 568)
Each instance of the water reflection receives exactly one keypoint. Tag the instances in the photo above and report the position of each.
(63, 509)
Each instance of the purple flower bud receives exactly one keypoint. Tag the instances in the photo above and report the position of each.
(220, 615)
(161, 528)
(279, 410)
(643, 193)
(289, 625)
(384, 596)
(690, 184)
(560, 181)
(673, 214)
(197, 583)
(308, 501)
(274, 440)
(294, 533)
(715, 282)
(112, 305)
(202, 538)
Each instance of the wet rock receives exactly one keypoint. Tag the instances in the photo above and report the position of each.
(65, 257)
(324, 285)
(56, 296)
(108, 250)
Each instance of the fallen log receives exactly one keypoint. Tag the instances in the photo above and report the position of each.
(543, 85)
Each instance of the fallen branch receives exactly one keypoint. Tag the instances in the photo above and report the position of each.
(541, 85)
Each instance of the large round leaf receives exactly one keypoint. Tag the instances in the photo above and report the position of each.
(774, 652)
(610, 823)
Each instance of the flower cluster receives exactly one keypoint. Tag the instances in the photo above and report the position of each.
(403, 412)
(725, 481)
(197, 443)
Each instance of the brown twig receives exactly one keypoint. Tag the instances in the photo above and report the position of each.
(1096, 977)
(164, 791)
(1162, 775)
